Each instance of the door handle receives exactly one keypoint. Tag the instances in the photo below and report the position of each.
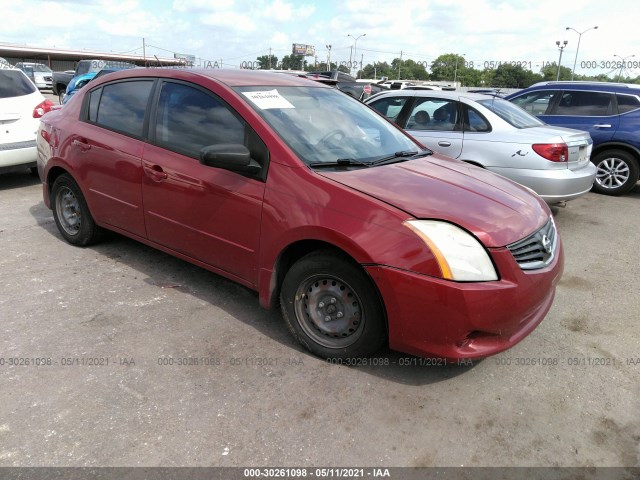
(82, 144)
(602, 125)
(155, 172)
(442, 143)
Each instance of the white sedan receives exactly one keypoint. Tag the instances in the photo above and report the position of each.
(497, 135)
(21, 106)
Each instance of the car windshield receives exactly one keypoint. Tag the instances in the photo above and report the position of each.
(324, 126)
(38, 67)
(511, 113)
(14, 83)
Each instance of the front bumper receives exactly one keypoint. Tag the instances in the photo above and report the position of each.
(557, 185)
(433, 317)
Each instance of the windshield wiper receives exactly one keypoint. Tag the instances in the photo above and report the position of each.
(340, 162)
(402, 156)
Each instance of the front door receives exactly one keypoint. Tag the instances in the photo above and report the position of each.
(209, 214)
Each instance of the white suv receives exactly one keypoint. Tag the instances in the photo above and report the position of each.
(21, 106)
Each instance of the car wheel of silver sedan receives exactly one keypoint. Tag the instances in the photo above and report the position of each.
(617, 172)
(332, 307)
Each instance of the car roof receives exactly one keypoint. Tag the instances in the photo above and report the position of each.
(431, 93)
(581, 85)
(231, 78)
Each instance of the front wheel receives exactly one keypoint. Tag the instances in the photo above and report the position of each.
(617, 172)
(71, 213)
(332, 307)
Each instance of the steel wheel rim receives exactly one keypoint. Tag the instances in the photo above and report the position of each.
(329, 311)
(612, 173)
(68, 211)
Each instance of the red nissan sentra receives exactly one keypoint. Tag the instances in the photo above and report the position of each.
(294, 189)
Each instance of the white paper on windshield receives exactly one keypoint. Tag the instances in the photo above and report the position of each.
(268, 99)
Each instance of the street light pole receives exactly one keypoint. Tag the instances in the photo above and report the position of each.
(561, 47)
(328, 57)
(355, 50)
(575, 60)
(624, 60)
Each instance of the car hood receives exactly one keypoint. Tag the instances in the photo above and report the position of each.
(495, 209)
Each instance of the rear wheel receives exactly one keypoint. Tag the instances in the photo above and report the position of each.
(331, 306)
(617, 172)
(71, 213)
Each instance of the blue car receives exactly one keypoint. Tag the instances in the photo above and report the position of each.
(76, 84)
(610, 112)
(80, 81)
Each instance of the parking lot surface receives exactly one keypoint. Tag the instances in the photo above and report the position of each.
(120, 355)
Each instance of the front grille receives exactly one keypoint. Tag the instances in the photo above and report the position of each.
(47, 79)
(538, 249)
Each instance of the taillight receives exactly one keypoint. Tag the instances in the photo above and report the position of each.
(556, 152)
(42, 108)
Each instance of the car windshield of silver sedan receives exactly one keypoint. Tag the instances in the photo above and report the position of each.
(511, 113)
(325, 127)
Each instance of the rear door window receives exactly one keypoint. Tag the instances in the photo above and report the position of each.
(123, 106)
(584, 104)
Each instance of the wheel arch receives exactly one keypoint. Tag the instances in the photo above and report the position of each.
(53, 173)
(635, 152)
(293, 252)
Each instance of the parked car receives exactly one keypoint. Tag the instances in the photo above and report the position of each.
(304, 194)
(494, 134)
(610, 112)
(21, 106)
(76, 84)
(40, 74)
(62, 79)
(81, 80)
(346, 83)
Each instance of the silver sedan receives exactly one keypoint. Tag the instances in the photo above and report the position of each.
(497, 135)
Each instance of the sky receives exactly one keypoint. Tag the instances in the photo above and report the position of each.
(236, 32)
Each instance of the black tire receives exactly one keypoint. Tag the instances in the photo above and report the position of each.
(339, 315)
(71, 213)
(617, 172)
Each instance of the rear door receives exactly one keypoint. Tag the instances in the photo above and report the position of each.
(106, 149)
(209, 214)
(593, 112)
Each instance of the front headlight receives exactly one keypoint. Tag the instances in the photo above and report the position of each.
(460, 256)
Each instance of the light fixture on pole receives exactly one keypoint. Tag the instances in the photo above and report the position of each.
(623, 64)
(561, 46)
(328, 57)
(578, 48)
(355, 45)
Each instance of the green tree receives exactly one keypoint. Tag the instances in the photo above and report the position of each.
(267, 61)
(293, 62)
(513, 76)
(550, 72)
(448, 67)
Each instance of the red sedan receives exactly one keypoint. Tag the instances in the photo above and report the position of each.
(289, 187)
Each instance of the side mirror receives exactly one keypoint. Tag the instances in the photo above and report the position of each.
(230, 156)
